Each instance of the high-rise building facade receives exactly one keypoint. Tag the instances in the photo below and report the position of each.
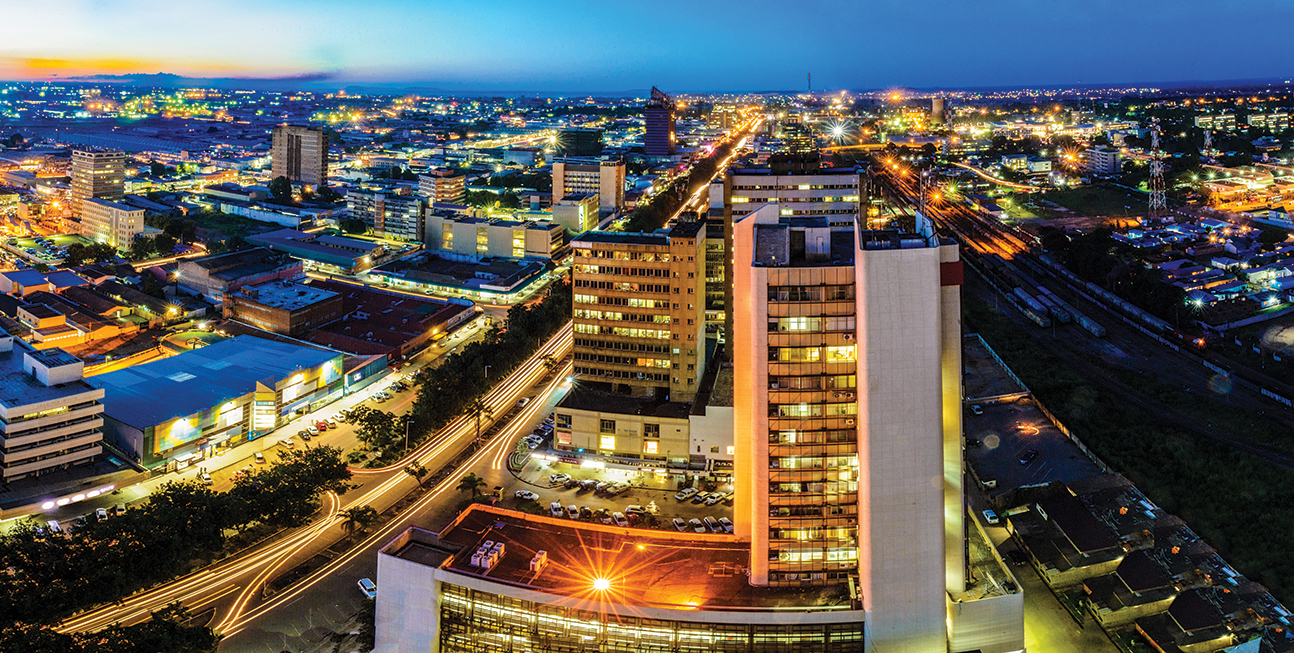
(658, 118)
(579, 141)
(799, 189)
(110, 222)
(398, 217)
(604, 176)
(847, 377)
(442, 187)
(300, 154)
(639, 303)
(99, 174)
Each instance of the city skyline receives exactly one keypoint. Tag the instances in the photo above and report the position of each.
(582, 47)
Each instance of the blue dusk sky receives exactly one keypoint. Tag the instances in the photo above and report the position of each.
(613, 45)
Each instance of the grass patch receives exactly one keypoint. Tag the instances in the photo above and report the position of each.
(1224, 495)
(1094, 200)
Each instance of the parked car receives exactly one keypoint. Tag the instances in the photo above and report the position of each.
(635, 510)
(602, 486)
(557, 479)
(101, 514)
(586, 512)
(287, 442)
(206, 478)
(259, 457)
(332, 421)
(305, 435)
(679, 524)
(119, 509)
(1028, 456)
(976, 410)
(572, 512)
(715, 498)
(321, 425)
(588, 484)
(53, 526)
(712, 524)
(700, 497)
(312, 429)
(619, 519)
(726, 524)
(571, 483)
(685, 494)
(696, 525)
(526, 495)
(990, 517)
(368, 588)
(604, 515)
(555, 509)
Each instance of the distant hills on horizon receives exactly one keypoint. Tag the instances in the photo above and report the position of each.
(326, 81)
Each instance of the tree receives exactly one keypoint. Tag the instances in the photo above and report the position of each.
(417, 471)
(281, 188)
(471, 483)
(327, 194)
(373, 427)
(358, 518)
(142, 247)
(509, 201)
(478, 409)
(41, 267)
(354, 226)
(165, 244)
(14, 140)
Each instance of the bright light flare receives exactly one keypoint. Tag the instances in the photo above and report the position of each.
(601, 584)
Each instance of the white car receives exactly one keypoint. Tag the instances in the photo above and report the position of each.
(368, 588)
(620, 520)
(685, 494)
(715, 498)
(526, 495)
(991, 517)
(713, 525)
(559, 478)
(573, 512)
(697, 525)
(555, 509)
(726, 524)
(679, 524)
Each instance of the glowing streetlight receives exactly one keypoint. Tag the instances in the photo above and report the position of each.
(601, 584)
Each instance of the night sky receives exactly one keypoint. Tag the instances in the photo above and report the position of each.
(615, 45)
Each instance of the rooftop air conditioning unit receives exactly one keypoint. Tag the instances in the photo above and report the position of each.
(849, 336)
(849, 422)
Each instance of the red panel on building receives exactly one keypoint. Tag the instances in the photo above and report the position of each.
(951, 274)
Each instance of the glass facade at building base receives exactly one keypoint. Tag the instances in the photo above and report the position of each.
(480, 622)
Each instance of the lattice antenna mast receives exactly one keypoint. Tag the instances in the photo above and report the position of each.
(1208, 143)
(1158, 201)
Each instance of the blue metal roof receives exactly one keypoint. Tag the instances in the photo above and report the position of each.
(194, 381)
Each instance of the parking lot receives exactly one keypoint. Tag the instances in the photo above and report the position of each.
(655, 494)
(48, 251)
(1006, 432)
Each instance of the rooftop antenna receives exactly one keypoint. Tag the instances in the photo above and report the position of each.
(1158, 202)
(1208, 142)
(810, 82)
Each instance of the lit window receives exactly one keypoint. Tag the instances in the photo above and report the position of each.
(732, 450)
(608, 442)
(840, 354)
(650, 446)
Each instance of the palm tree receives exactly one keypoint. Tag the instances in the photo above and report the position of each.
(550, 364)
(478, 409)
(358, 519)
(471, 483)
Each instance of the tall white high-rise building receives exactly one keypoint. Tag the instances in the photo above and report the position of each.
(847, 376)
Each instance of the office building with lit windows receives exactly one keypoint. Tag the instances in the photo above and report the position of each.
(604, 177)
(300, 154)
(50, 418)
(217, 396)
(97, 174)
(456, 237)
(388, 215)
(639, 310)
(110, 222)
(442, 187)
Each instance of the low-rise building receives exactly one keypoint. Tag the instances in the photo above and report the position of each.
(213, 277)
(600, 176)
(442, 186)
(1102, 161)
(215, 397)
(328, 254)
(50, 418)
(576, 212)
(284, 307)
(455, 236)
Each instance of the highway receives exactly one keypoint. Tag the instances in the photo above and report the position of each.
(232, 588)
